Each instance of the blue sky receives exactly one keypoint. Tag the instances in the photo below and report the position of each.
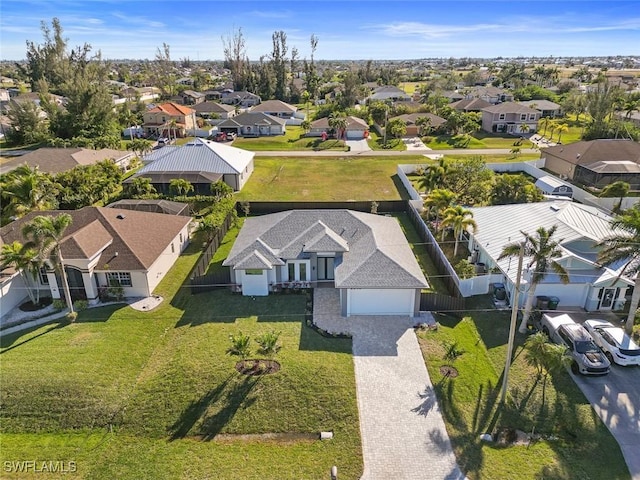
(349, 29)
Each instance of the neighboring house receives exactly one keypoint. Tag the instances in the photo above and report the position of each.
(169, 119)
(509, 117)
(453, 96)
(579, 229)
(470, 105)
(490, 94)
(276, 108)
(410, 119)
(191, 97)
(388, 93)
(214, 109)
(201, 162)
(366, 257)
(154, 206)
(356, 129)
(633, 117)
(103, 246)
(58, 160)
(596, 163)
(252, 124)
(545, 107)
(241, 99)
(550, 185)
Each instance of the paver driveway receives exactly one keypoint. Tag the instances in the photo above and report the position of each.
(403, 433)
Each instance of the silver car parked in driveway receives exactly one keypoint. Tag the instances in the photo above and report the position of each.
(614, 342)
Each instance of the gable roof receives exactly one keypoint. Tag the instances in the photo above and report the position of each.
(410, 118)
(611, 155)
(213, 107)
(57, 160)
(470, 104)
(252, 119)
(127, 240)
(353, 123)
(274, 106)
(199, 155)
(540, 104)
(172, 109)
(375, 251)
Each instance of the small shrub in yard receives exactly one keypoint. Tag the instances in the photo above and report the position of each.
(451, 351)
(59, 304)
(72, 316)
(80, 305)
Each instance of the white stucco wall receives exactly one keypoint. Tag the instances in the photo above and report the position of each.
(166, 259)
(12, 292)
(253, 285)
(380, 301)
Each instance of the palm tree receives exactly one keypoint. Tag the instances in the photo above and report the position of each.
(306, 126)
(541, 250)
(624, 246)
(27, 189)
(438, 200)
(434, 175)
(27, 262)
(173, 126)
(544, 356)
(339, 123)
(524, 128)
(461, 219)
(180, 186)
(553, 126)
(618, 189)
(140, 186)
(545, 122)
(561, 128)
(424, 125)
(45, 233)
(240, 345)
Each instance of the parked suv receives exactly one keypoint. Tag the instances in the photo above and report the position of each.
(587, 357)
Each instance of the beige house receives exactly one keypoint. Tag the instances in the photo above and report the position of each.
(169, 119)
(511, 118)
(57, 160)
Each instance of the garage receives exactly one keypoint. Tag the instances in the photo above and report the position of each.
(354, 134)
(381, 301)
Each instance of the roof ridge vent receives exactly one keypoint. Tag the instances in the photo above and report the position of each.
(554, 207)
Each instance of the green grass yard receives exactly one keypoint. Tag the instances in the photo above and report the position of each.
(293, 139)
(576, 444)
(129, 394)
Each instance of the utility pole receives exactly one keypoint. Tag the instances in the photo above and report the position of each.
(512, 327)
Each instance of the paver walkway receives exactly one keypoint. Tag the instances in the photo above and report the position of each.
(403, 433)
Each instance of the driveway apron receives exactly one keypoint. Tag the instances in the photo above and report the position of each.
(403, 433)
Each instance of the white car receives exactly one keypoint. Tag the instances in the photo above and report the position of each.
(614, 342)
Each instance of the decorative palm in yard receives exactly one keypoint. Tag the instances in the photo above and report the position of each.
(461, 219)
(27, 262)
(438, 200)
(541, 250)
(26, 189)
(434, 175)
(624, 246)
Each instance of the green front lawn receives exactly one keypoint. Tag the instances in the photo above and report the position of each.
(128, 394)
(293, 139)
(326, 179)
(575, 444)
(478, 140)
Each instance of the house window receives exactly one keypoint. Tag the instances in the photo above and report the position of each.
(292, 271)
(181, 238)
(119, 278)
(523, 116)
(303, 272)
(173, 248)
(253, 271)
(532, 116)
(502, 116)
(42, 274)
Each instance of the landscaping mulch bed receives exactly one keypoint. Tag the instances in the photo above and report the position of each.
(257, 367)
(30, 307)
(449, 371)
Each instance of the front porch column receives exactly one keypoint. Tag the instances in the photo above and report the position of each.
(90, 288)
(53, 285)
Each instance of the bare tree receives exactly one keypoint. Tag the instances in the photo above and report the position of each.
(235, 58)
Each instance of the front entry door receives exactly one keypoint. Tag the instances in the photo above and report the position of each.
(325, 268)
(608, 297)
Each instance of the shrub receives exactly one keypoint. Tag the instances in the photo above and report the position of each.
(59, 304)
(72, 316)
(465, 269)
(80, 305)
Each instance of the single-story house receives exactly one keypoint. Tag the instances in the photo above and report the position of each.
(169, 119)
(550, 185)
(242, 99)
(58, 160)
(596, 163)
(410, 119)
(545, 107)
(356, 129)
(151, 205)
(102, 247)
(365, 256)
(200, 162)
(276, 108)
(252, 124)
(579, 229)
(509, 117)
(191, 97)
(470, 105)
(214, 109)
(388, 93)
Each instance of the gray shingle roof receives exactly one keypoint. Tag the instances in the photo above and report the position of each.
(251, 119)
(378, 254)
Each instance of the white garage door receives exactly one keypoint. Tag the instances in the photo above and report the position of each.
(355, 135)
(380, 302)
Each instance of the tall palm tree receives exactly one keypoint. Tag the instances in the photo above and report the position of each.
(438, 200)
(27, 262)
(541, 250)
(45, 233)
(553, 126)
(423, 124)
(545, 122)
(461, 219)
(339, 123)
(624, 246)
(434, 175)
(561, 128)
(180, 186)
(27, 189)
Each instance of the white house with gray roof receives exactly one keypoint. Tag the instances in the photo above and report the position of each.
(201, 162)
(365, 256)
(579, 229)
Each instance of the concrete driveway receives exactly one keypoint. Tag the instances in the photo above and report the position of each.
(358, 145)
(616, 399)
(403, 433)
